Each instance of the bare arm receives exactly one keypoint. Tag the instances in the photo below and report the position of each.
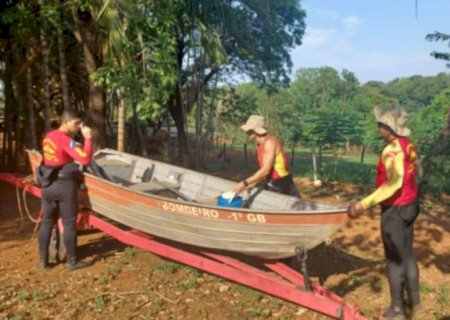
(267, 165)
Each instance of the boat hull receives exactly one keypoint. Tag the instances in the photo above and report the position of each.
(268, 234)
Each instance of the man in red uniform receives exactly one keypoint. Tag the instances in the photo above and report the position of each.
(398, 195)
(271, 158)
(58, 176)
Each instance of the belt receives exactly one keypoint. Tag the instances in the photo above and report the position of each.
(68, 175)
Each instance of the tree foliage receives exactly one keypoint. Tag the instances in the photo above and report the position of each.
(439, 36)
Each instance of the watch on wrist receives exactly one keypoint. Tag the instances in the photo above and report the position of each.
(245, 182)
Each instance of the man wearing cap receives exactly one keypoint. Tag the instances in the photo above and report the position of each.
(398, 195)
(271, 158)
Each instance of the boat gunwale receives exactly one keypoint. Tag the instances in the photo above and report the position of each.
(338, 210)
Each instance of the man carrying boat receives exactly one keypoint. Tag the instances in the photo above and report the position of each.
(274, 170)
(58, 176)
(397, 193)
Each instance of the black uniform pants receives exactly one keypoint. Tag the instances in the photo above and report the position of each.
(397, 233)
(60, 197)
(283, 185)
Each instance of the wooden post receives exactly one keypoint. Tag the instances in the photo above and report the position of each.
(313, 153)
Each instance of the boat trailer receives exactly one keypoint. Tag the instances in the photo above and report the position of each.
(283, 282)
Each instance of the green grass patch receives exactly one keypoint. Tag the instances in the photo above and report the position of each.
(191, 283)
(22, 295)
(168, 267)
(425, 288)
(444, 295)
(37, 295)
(248, 292)
(258, 313)
(100, 303)
(131, 252)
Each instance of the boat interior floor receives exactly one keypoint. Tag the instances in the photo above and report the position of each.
(160, 188)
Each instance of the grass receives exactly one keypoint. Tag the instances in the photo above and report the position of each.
(114, 271)
(258, 313)
(100, 303)
(355, 281)
(157, 303)
(248, 292)
(190, 284)
(22, 295)
(444, 295)
(425, 288)
(110, 274)
(37, 295)
(334, 168)
(167, 267)
(131, 252)
(443, 292)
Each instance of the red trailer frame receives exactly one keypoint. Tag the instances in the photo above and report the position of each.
(287, 284)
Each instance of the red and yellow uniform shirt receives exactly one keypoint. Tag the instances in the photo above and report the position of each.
(59, 149)
(396, 175)
(280, 168)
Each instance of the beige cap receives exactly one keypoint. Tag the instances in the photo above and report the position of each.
(255, 123)
(395, 118)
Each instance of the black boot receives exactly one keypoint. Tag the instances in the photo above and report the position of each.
(394, 313)
(74, 264)
(43, 261)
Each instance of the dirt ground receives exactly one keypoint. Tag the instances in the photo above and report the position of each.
(127, 283)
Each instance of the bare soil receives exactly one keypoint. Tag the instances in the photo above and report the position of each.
(127, 283)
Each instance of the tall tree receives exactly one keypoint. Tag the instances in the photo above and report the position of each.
(256, 37)
(91, 38)
(439, 36)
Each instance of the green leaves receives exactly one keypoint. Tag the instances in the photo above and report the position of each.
(439, 36)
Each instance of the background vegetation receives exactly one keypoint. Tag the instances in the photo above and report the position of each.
(200, 67)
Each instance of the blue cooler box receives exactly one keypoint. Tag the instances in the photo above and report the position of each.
(235, 203)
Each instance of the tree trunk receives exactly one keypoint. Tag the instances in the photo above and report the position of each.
(31, 113)
(93, 59)
(362, 154)
(142, 147)
(62, 65)
(46, 85)
(211, 123)
(10, 101)
(198, 132)
(121, 122)
(19, 136)
(176, 111)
